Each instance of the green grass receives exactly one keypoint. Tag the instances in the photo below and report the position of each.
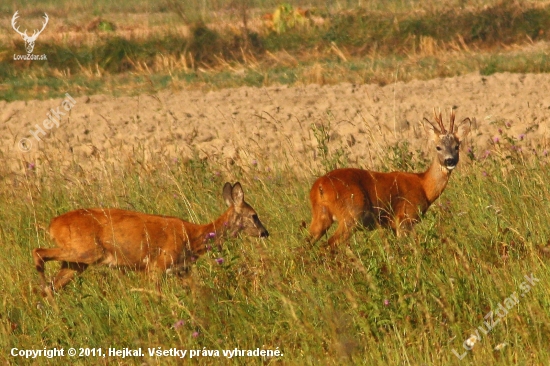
(204, 8)
(330, 70)
(359, 46)
(383, 300)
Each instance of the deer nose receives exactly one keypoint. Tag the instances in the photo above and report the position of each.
(450, 161)
(264, 234)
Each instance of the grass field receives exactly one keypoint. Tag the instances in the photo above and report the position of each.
(100, 49)
(480, 253)
(383, 300)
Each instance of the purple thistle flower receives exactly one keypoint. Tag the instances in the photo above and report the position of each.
(193, 258)
(212, 235)
(254, 162)
(195, 334)
(484, 173)
(496, 139)
(386, 302)
(545, 152)
(219, 260)
(521, 137)
(31, 166)
(178, 324)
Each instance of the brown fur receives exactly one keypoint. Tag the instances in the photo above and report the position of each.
(397, 199)
(120, 238)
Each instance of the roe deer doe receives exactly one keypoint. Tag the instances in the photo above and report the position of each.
(139, 241)
(354, 196)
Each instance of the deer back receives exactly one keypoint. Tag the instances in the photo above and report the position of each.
(119, 237)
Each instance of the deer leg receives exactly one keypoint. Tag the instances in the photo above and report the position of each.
(39, 265)
(181, 269)
(166, 262)
(405, 227)
(320, 223)
(342, 233)
(66, 273)
(76, 263)
(404, 221)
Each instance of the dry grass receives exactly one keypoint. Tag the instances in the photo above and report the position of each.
(382, 300)
(162, 50)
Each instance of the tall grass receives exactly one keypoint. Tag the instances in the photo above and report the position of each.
(205, 8)
(382, 300)
(357, 45)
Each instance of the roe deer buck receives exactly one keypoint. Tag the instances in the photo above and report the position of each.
(354, 196)
(139, 241)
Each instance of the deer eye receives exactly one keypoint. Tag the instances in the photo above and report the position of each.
(438, 148)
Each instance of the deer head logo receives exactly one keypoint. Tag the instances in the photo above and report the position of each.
(29, 41)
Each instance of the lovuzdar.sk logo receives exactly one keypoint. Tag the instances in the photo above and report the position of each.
(29, 40)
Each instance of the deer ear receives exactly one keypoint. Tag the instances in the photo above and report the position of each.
(227, 197)
(430, 129)
(463, 129)
(237, 194)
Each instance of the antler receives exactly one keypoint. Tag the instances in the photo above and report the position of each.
(431, 124)
(452, 128)
(13, 20)
(439, 120)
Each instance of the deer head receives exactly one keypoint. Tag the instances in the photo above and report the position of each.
(29, 41)
(243, 217)
(447, 143)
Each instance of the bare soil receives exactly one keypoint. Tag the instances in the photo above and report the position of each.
(272, 126)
